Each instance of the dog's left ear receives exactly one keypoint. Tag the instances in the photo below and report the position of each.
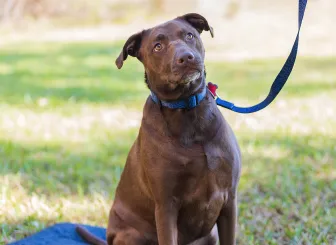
(198, 22)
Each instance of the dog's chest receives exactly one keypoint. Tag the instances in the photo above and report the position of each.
(202, 185)
(201, 202)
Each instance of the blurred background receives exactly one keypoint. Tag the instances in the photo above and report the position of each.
(68, 117)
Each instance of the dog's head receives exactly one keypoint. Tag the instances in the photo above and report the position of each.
(172, 54)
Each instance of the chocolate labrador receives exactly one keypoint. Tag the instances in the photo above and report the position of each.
(179, 184)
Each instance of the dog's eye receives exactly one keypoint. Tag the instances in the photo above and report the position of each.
(190, 36)
(157, 47)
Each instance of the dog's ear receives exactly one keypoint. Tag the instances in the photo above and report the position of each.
(131, 47)
(198, 22)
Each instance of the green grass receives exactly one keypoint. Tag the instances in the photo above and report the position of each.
(68, 118)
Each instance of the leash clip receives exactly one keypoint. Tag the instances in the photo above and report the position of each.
(212, 89)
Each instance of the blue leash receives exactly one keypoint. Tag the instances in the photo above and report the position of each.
(276, 87)
(279, 81)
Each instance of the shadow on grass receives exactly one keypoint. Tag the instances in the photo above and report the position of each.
(68, 169)
(305, 160)
(57, 168)
(82, 73)
(287, 189)
(19, 91)
(252, 80)
(86, 73)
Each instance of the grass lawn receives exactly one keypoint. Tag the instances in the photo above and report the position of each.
(68, 118)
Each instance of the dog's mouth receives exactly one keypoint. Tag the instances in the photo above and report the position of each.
(190, 76)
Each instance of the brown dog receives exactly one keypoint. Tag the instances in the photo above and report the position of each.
(179, 184)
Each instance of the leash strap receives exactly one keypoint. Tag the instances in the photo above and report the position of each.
(279, 81)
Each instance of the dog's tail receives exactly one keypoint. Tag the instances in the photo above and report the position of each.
(89, 237)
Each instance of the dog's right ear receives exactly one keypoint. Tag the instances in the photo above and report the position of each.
(198, 22)
(131, 47)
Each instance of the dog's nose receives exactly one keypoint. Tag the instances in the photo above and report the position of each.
(184, 58)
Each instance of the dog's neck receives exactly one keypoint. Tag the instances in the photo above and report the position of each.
(188, 127)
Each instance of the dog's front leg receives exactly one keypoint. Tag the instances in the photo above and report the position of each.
(227, 222)
(166, 224)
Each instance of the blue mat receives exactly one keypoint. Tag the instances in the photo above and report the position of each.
(60, 234)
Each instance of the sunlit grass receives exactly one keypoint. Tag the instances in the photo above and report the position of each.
(68, 118)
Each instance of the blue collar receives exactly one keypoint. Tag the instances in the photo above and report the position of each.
(187, 103)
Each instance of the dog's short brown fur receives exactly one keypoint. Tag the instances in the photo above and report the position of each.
(179, 184)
